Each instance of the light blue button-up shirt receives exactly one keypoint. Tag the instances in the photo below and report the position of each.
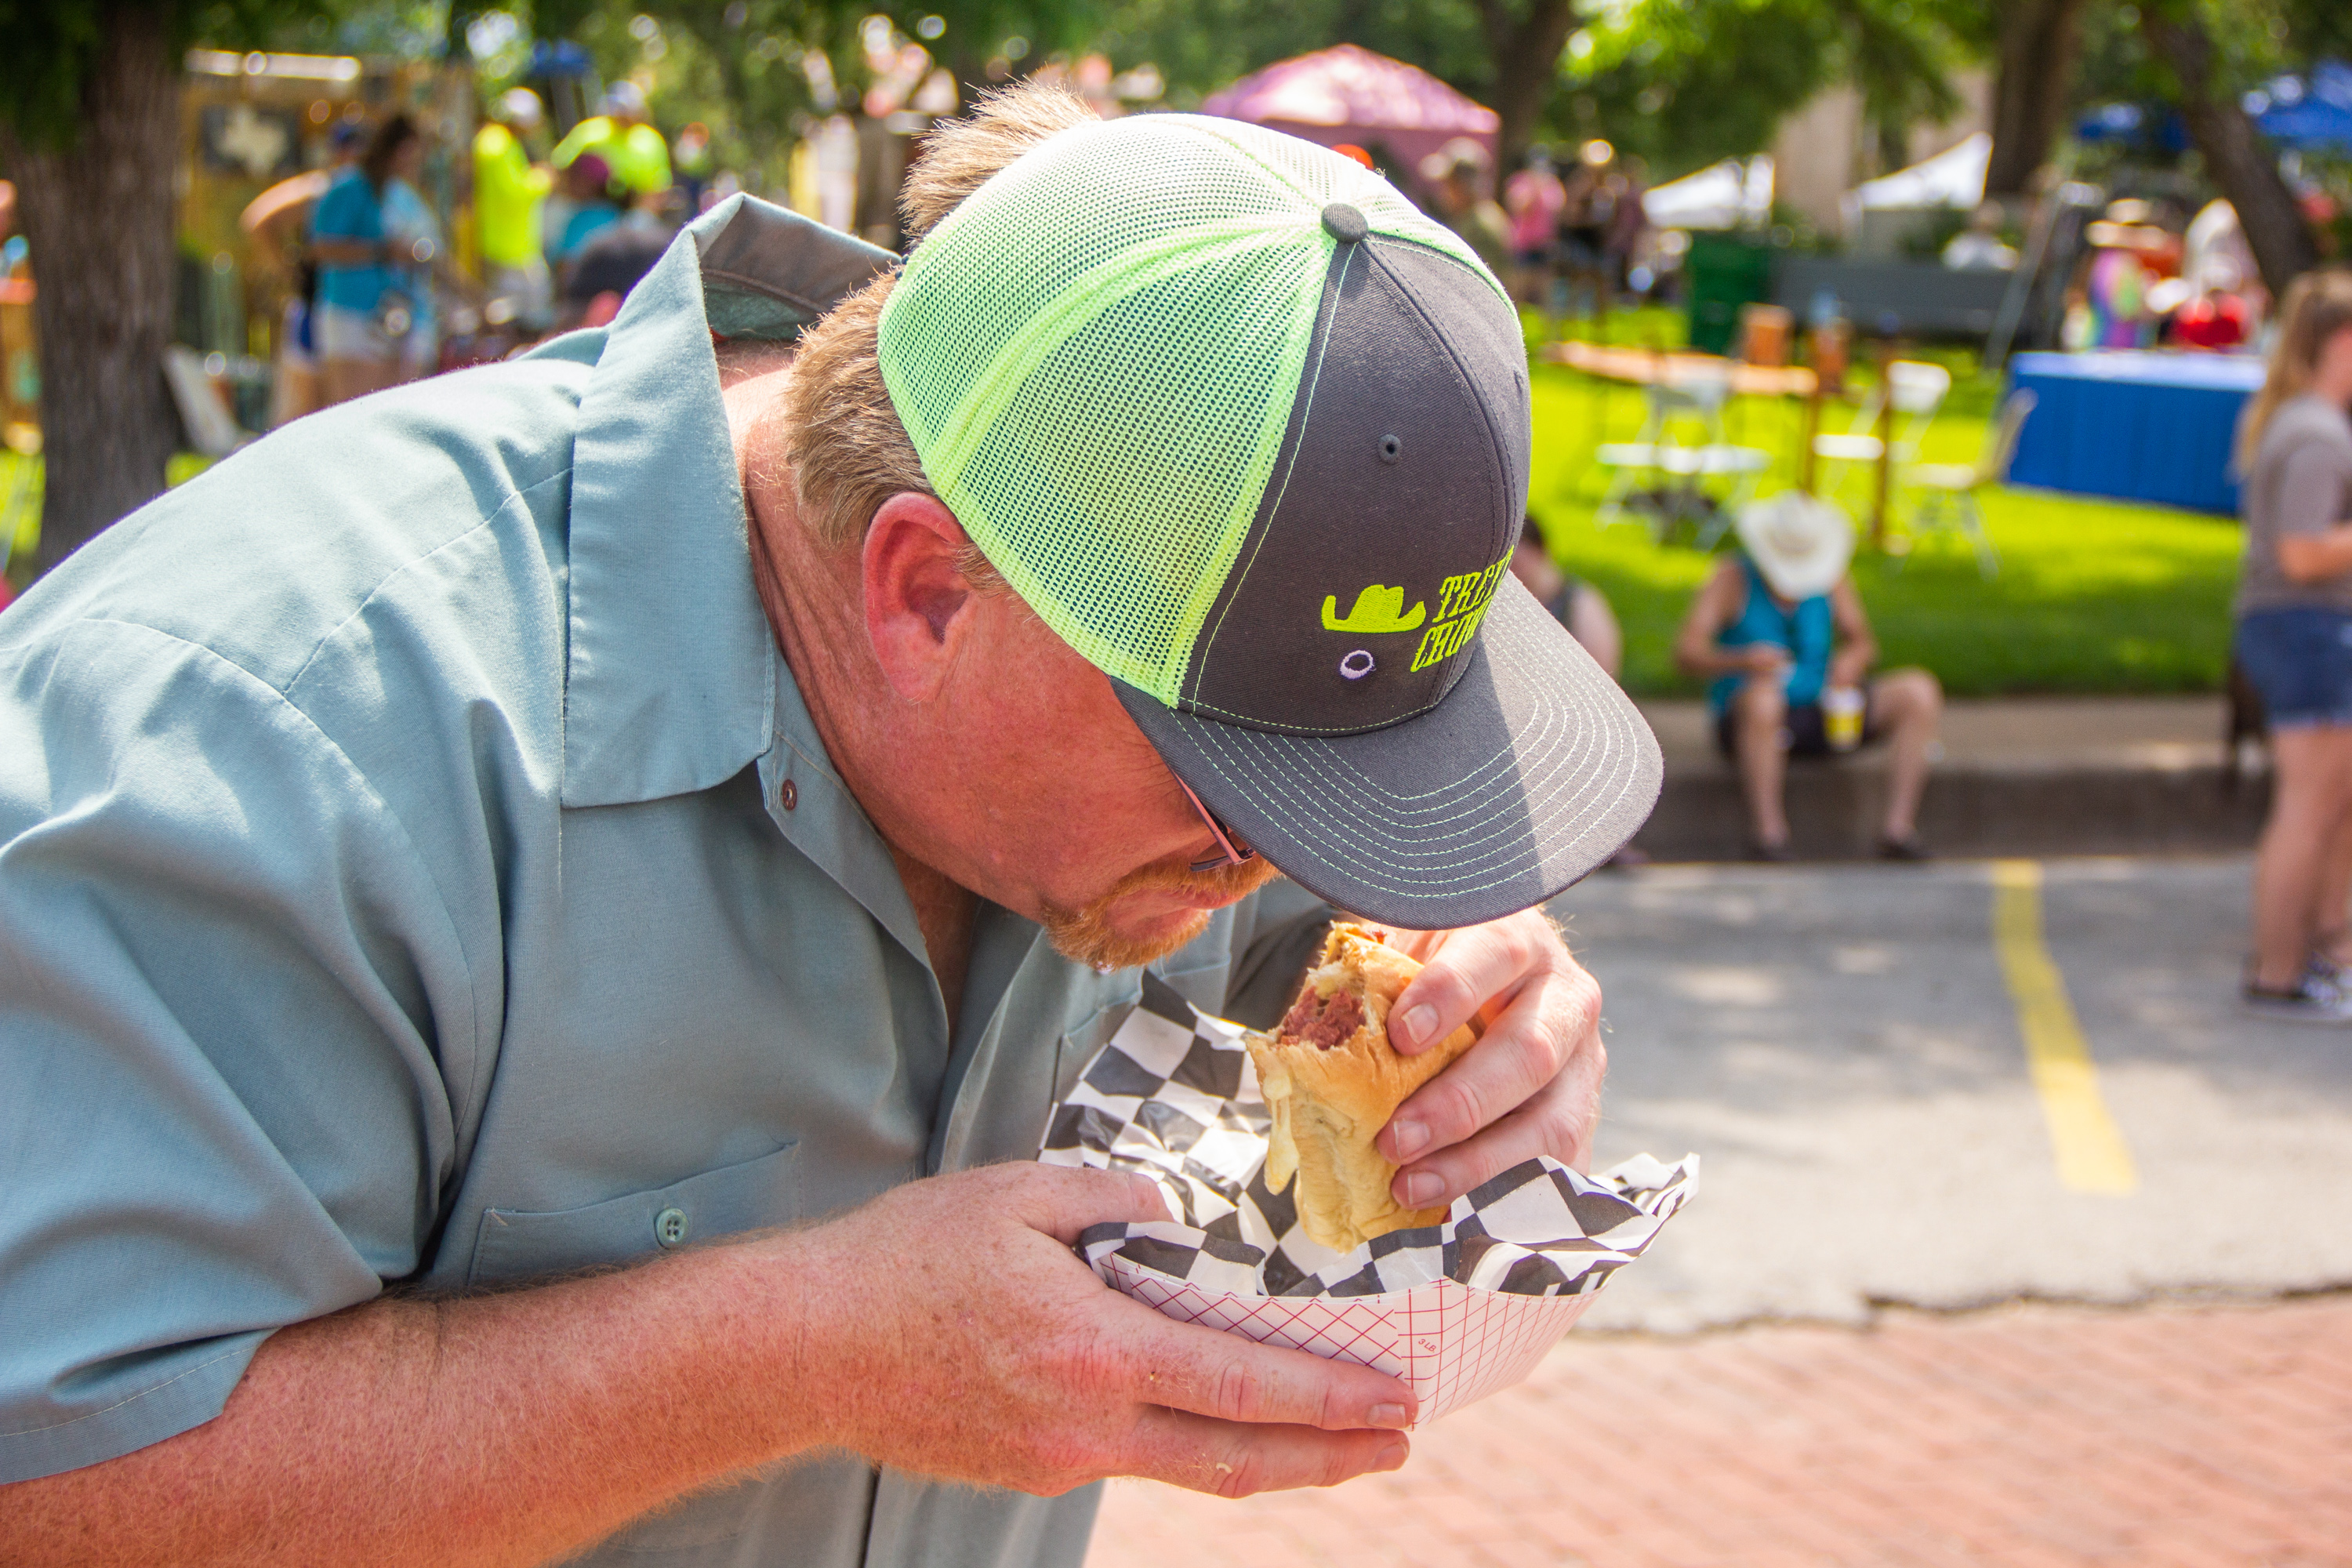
(400, 884)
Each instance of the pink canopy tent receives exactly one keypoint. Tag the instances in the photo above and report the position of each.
(1347, 94)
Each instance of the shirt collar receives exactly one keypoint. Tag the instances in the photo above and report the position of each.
(670, 680)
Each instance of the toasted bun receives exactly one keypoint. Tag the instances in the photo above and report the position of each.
(1331, 1094)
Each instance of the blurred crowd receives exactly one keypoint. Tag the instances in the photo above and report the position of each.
(1543, 230)
(563, 229)
(2151, 278)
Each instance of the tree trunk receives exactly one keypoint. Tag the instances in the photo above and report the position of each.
(1526, 61)
(2236, 156)
(99, 213)
(2039, 42)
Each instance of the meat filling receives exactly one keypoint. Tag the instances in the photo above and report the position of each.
(1325, 1021)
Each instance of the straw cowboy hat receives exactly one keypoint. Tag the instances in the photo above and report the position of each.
(1800, 543)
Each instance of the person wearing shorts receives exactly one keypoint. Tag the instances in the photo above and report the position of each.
(1780, 633)
(366, 298)
(2294, 641)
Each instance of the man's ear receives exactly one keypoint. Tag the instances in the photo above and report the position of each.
(919, 606)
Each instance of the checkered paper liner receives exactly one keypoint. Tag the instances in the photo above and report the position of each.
(1458, 1309)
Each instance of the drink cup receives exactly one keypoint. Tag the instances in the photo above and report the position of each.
(1842, 716)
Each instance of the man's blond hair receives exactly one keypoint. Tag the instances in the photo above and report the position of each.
(848, 451)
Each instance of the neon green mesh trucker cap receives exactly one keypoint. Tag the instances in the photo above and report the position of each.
(1250, 434)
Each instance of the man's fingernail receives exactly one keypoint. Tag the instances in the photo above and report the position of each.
(1410, 1137)
(1392, 1458)
(1420, 1023)
(1388, 1415)
(1421, 1188)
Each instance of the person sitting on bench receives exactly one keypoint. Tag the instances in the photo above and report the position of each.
(1780, 632)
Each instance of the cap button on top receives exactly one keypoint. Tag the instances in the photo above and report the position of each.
(1344, 223)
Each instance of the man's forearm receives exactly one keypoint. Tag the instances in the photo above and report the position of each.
(496, 1430)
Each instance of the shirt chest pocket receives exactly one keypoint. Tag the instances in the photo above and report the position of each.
(516, 1244)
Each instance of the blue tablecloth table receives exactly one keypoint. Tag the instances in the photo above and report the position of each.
(2137, 426)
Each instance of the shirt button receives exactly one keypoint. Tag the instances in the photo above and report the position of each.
(788, 796)
(670, 1227)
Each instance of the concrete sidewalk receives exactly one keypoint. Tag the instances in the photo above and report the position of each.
(2038, 775)
(2031, 1437)
(1841, 1047)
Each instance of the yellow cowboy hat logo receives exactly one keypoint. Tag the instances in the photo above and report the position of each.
(1378, 609)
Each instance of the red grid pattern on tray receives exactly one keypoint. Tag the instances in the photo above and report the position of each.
(1453, 1344)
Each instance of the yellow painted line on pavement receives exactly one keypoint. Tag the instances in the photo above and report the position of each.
(2092, 1155)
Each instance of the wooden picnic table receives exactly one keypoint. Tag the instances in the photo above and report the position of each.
(1649, 367)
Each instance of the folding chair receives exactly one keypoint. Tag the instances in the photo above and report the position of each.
(1694, 397)
(1917, 389)
(211, 428)
(1948, 492)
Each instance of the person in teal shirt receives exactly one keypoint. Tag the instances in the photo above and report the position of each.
(1780, 634)
(530, 985)
(374, 279)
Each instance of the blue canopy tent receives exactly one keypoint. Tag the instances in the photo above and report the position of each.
(2145, 128)
(2306, 112)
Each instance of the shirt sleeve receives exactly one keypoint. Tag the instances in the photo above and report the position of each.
(2314, 490)
(225, 1111)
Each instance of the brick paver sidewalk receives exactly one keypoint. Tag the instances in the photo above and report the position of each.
(2030, 1437)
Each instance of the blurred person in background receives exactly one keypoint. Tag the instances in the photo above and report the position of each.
(1780, 633)
(597, 279)
(588, 189)
(508, 192)
(1584, 610)
(1979, 248)
(415, 230)
(1457, 178)
(1573, 603)
(1533, 197)
(1621, 237)
(634, 153)
(2218, 316)
(2214, 253)
(2295, 643)
(368, 285)
(694, 166)
(278, 220)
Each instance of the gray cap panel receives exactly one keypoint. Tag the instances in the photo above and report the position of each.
(1396, 497)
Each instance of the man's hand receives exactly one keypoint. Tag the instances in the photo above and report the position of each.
(1764, 659)
(1530, 1086)
(948, 1329)
(944, 1328)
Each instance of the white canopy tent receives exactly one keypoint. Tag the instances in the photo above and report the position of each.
(1722, 196)
(1954, 177)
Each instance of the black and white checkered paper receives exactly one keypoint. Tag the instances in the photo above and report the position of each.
(1459, 1308)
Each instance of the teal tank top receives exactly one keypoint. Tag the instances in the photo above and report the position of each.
(1807, 630)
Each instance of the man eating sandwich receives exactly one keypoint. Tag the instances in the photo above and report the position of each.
(542, 913)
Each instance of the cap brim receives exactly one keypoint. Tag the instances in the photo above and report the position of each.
(1532, 771)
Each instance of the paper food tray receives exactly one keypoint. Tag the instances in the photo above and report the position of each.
(1458, 1309)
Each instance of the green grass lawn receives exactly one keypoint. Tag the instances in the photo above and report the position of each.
(2090, 595)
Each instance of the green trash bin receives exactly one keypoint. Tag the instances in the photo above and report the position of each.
(1726, 272)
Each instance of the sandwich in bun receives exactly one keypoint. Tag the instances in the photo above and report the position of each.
(1332, 1080)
